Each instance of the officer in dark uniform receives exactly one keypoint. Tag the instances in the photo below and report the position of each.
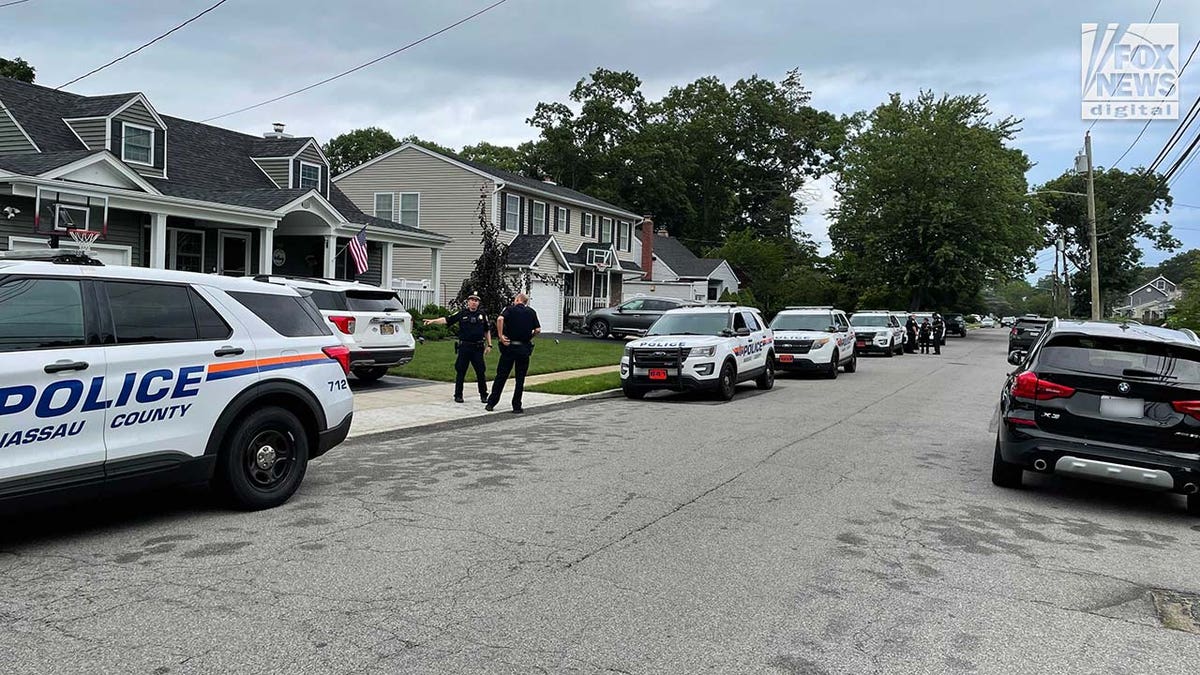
(516, 329)
(939, 333)
(910, 329)
(474, 342)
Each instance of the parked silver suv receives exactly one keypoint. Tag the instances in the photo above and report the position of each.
(632, 317)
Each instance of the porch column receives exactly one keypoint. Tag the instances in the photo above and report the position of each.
(435, 266)
(266, 251)
(158, 241)
(330, 268)
(386, 270)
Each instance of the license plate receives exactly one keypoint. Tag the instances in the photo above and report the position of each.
(1115, 407)
(786, 358)
(658, 373)
(862, 344)
(387, 329)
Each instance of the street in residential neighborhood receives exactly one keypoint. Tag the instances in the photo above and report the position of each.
(822, 527)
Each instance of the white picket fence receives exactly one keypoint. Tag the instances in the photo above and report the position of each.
(579, 305)
(415, 298)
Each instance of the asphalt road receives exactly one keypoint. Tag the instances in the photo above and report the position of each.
(840, 527)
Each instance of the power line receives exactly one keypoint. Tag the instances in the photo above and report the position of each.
(1182, 70)
(361, 66)
(10, 4)
(1171, 172)
(1180, 131)
(1122, 77)
(132, 52)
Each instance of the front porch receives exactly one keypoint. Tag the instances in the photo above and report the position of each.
(587, 288)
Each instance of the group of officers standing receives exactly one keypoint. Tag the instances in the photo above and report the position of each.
(516, 327)
(929, 332)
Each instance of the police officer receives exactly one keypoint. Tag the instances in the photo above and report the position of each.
(910, 329)
(474, 342)
(939, 333)
(516, 328)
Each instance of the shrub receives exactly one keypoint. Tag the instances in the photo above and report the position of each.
(434, 332)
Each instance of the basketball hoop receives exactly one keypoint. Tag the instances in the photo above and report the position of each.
(601, 266)
(84, 238)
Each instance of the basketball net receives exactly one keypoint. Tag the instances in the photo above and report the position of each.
(84, 239)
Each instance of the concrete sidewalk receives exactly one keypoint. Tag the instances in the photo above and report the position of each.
(400, 403)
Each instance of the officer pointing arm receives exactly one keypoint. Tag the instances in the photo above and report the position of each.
(474, 342)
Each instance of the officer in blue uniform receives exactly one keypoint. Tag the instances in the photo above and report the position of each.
(474, 342)
(516, 328)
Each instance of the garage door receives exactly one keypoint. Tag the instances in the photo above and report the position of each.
(546, 300)
(107, 254)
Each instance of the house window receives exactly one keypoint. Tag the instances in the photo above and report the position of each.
(410, 209)
(537, 223)
(512, 213)
(185, 250)
(137, 144)
(606, 233)
(623, 235)
(310, 176)
(600, 285)
(385, 205)
(562, 219)
(589, 225)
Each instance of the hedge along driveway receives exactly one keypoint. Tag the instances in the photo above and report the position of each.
(435, 360)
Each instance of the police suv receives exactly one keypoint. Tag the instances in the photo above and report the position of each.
(126, 377)
(814, 339)
(713, 347)
(877, 331)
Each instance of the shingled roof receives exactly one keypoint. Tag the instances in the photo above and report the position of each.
(681, 259)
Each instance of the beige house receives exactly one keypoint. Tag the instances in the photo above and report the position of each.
(571, 252)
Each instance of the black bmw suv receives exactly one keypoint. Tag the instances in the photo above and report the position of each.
(1104, 401)
(1025, 331)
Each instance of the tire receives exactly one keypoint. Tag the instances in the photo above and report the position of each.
(1005, 474)
(271, 436)
(599, 329)
(1193, 505)
(370, 374)
(831, 371)
(852, 364)
(634, 394)
(766, 381)
(727, 384)
(891, 350)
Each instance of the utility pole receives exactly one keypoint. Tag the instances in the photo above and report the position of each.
(1054, 286)
(1091, 216)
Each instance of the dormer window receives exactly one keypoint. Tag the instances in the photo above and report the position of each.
(137, 144)
(310, 176)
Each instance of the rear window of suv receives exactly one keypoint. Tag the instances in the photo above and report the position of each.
(1035, 324)
(1121, 358)
(288, 315)
(373, 301)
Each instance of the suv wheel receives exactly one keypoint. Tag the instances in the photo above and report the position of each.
(767, 379)
(727, 384)
(831, 371)
(263, 459)
(1005, 474)
(370, 374)
(852, 364)
(599, 329)
(891, 350)
(635, 394)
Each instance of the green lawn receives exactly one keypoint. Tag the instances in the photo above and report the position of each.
(435, 360)
(575, 386)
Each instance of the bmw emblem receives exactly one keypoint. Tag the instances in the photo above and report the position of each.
(1123, 387)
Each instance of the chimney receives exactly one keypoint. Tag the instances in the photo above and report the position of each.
(278, 133)
(648, 248)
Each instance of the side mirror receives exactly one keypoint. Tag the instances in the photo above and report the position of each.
(743, 332)
(831, 329)
(1017, 356)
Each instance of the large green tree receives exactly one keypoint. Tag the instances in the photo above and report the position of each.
(517, 160)
(1126, 203)
(933, 206)
(17, 69)
(358, 146)
(778, 271)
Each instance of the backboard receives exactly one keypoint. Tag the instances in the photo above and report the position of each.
(57, 211)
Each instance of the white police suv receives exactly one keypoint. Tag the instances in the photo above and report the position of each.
(713, 347)
(814, 339)
(117, 377)
(877, 331)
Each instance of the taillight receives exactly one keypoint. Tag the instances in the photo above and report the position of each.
(1013, 332)
(341, 354)
(344, 323)
(1187, 408)
(1028, 385)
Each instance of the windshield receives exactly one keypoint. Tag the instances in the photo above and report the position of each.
(819, 322)
(870, 321)
(373, 301)
(672, 323)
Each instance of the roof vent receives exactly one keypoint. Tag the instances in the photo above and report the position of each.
(278, 133)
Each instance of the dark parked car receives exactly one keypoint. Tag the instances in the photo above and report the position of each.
(956, 324)
(1025, 332)
(632, 317)
(1104, 401)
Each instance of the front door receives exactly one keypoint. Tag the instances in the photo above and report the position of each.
(233, 254)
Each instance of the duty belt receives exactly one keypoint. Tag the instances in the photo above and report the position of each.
(471, 344)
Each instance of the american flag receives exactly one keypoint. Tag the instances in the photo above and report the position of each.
(358, 250)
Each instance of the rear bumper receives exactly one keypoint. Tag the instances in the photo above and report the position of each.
(364, 358)
(333, 436)
(1098, 461)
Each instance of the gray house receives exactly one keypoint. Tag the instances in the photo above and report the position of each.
(677, 272)
(1151, 301)
(177, 194)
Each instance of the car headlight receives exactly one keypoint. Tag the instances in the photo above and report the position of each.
(703, 351)
(628, 350)
(882, 333)
(820, 342)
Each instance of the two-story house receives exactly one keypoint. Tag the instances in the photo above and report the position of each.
(1150, 302)
(175, 194)
(674, 271)
(568, 250)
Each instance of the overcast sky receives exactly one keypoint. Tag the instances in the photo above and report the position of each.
(482, 80)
